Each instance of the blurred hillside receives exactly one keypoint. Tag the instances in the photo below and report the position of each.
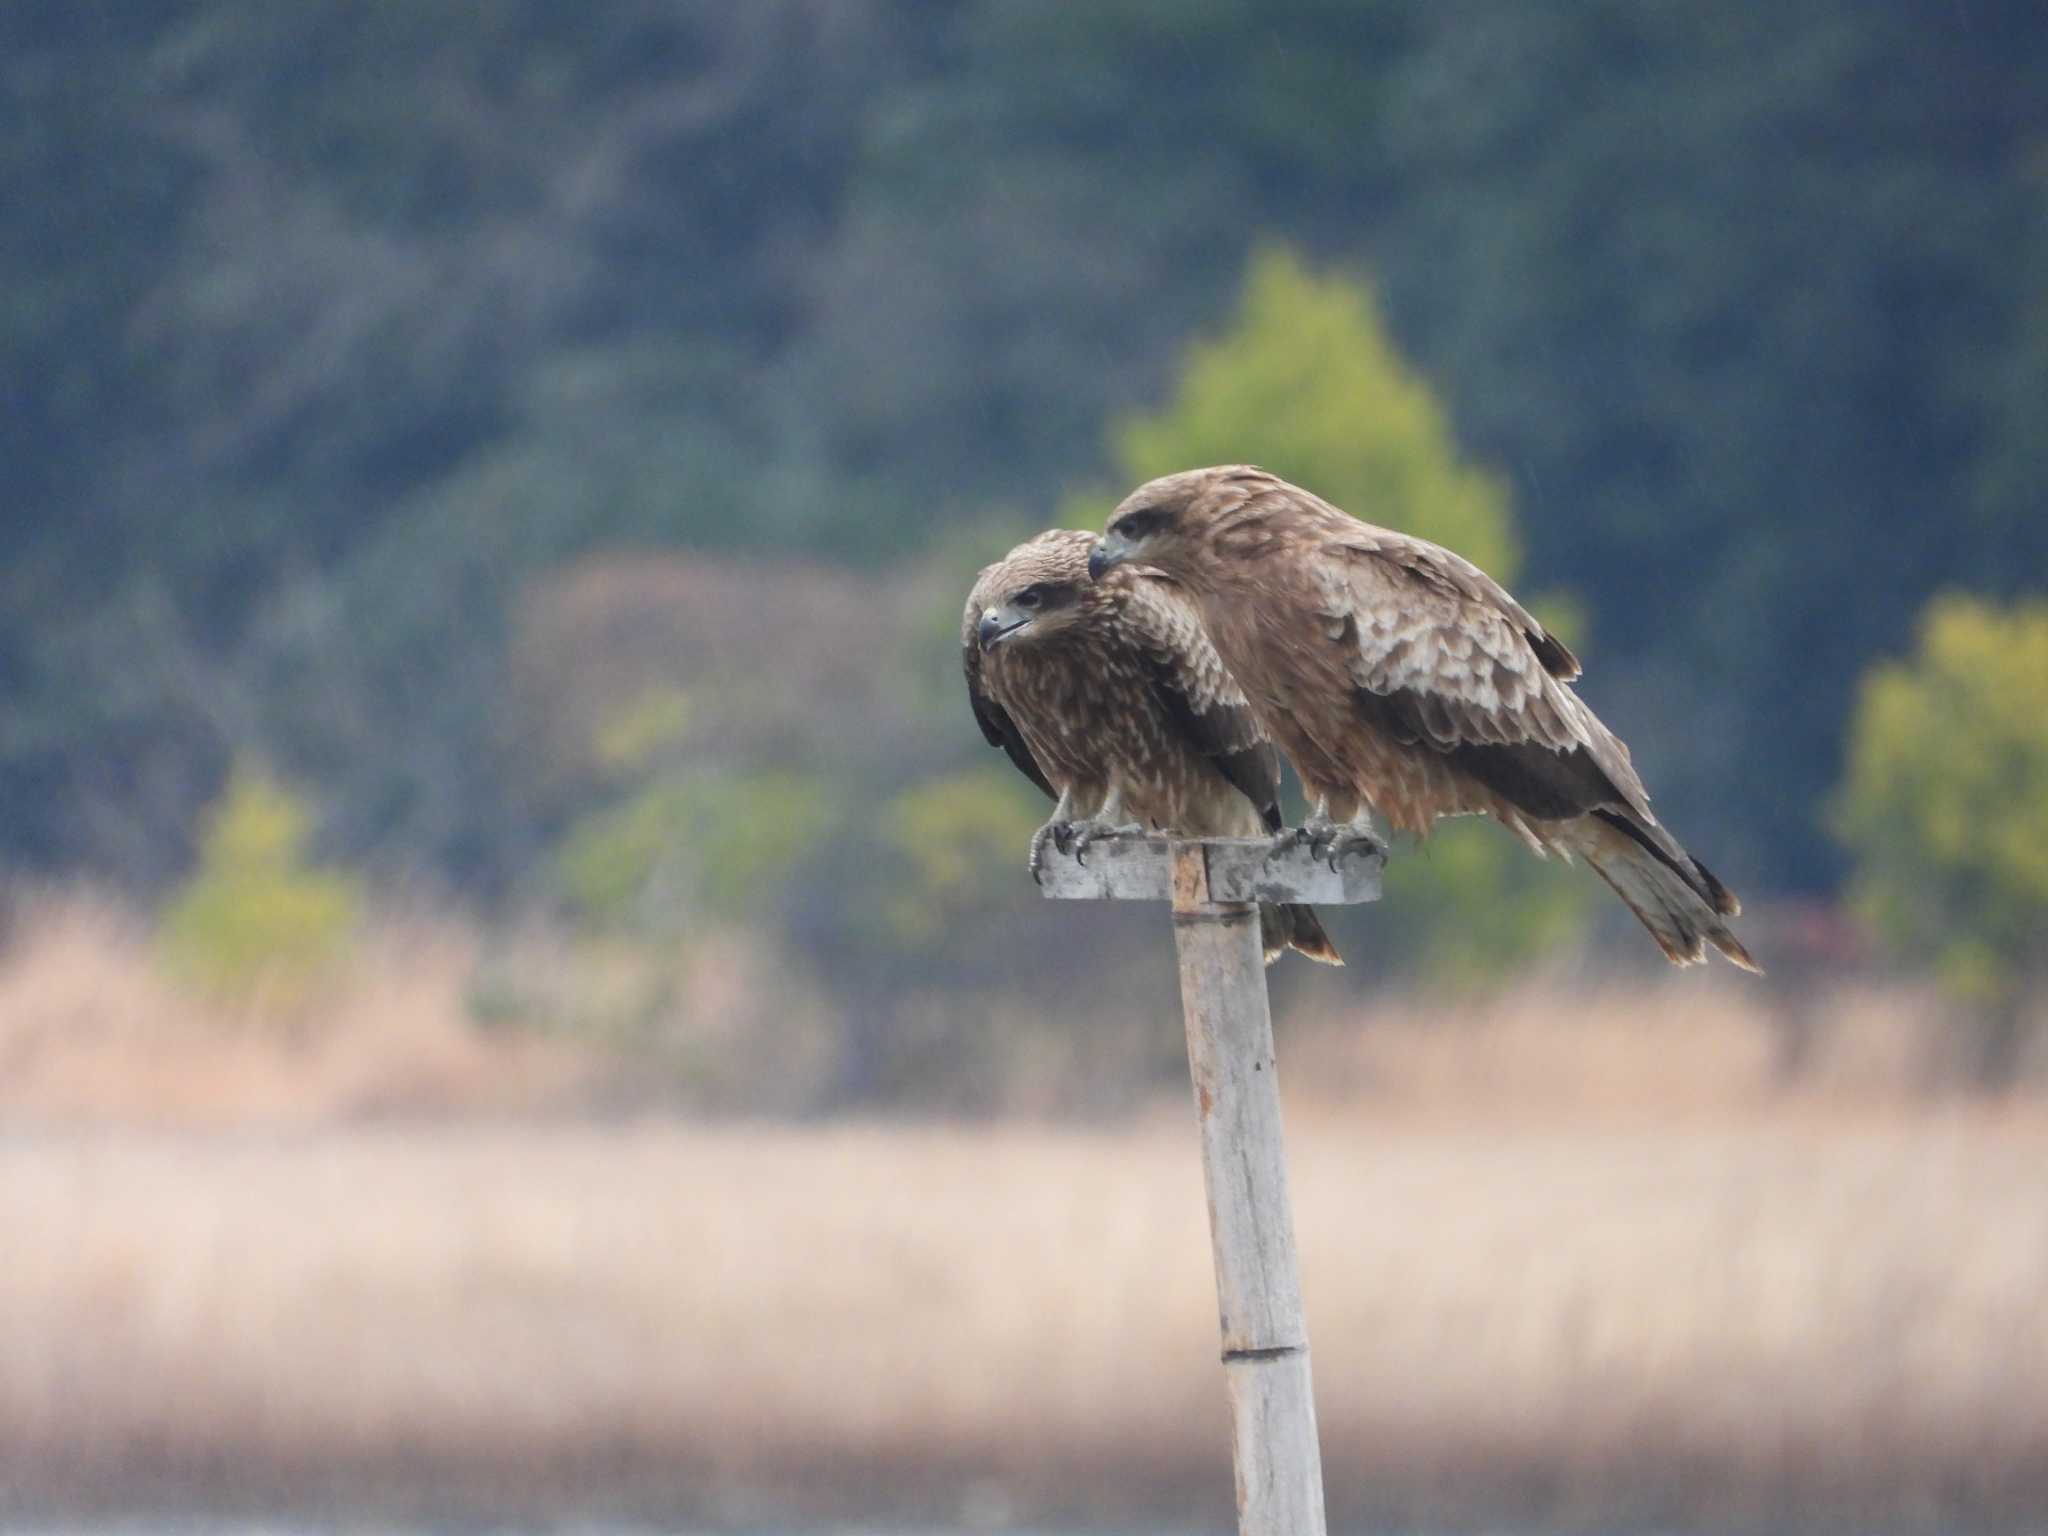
(327, 326)
(551, 443)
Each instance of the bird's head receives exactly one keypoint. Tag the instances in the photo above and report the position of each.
(1165, 523)
(1036, 592)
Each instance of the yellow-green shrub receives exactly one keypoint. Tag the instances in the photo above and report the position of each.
(255, 921)
(1945, 804)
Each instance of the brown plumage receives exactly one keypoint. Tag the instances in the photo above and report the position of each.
(1109, 697)
(1400, 678)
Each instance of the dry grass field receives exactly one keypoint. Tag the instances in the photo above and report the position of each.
(1577, 1258)
(1720, 1321)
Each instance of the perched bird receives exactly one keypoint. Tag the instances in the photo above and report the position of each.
(1400, 678)
(1110, 698)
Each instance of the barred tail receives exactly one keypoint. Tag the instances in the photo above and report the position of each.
(1674, 895)
(1295, 927)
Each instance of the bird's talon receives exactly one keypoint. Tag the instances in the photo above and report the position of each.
(1087, 833)
(1059, 834)
(1342, 843)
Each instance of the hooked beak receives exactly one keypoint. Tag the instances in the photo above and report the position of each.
(995, 625)
(1109, 552)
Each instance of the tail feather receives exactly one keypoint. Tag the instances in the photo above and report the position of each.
(1663, 847)
(1296, 927)
(1673, 895)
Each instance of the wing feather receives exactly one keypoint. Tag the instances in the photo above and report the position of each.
(1444, 657)
(1197, 694)
(1432, 567)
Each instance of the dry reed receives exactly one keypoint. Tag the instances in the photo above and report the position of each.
(92, 1029)
(1578, 1257)
(1745, 1318)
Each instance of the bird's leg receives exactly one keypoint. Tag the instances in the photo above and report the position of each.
(1317, 825)
(1331, 843)
(1107, 822)
(1059, 831)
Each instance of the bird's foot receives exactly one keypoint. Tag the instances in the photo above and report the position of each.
(1316, 825)
(1315, 828)
(1087, 833)
(1332, 843)
(1059, 832)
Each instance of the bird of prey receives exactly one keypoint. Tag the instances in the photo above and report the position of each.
(1400, 678)
(1109, 697)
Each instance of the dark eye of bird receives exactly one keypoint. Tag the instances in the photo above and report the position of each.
(1140, 525)
(1030, 597)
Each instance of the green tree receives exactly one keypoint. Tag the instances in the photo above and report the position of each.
(255, 922)
(1306, 381)
(950, 835)
(1945, 807)
(715, 843)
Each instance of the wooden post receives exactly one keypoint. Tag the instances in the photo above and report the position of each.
(1215, 888)
(1251, 1223)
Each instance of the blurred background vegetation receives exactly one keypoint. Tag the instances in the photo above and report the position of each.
(555, 441)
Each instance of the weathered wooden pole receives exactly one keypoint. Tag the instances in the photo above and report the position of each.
(1215, 888)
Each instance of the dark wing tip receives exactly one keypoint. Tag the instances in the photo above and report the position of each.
(1556, 656)
(1719, 897)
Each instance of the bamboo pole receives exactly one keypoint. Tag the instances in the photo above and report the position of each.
(1278, 1462)
(1215, 887)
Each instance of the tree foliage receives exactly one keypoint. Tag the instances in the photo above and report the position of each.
(330, 327)
(1945, 801)
(256, 922)
(1741, 320)
(950, 835)
(1306, 381)
(719, 845)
